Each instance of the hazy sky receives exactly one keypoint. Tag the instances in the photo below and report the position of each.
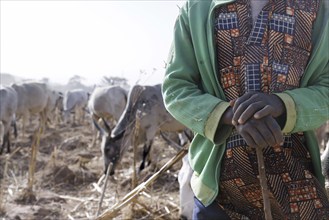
(58, 39)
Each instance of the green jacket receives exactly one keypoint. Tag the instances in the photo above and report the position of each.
(193, 95)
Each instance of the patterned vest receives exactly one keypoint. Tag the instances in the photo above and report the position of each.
(268, 56)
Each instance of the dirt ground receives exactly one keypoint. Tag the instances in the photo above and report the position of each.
(67, 174)
(67, 179)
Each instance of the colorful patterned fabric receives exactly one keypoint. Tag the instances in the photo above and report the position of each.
(267, 56)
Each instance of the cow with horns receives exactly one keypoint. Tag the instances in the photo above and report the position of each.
(108, 103)
(145, 103)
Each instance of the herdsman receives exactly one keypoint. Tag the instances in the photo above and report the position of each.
(249, 74)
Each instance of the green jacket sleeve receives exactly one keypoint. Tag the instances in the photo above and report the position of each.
(308, 107)
(183, 91)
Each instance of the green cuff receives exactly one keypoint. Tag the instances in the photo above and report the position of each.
(212, 132)
(290, 111)
(201, 191)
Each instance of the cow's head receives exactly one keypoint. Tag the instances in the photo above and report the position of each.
(111, 149)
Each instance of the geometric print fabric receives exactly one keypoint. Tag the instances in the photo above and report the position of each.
(268, 56)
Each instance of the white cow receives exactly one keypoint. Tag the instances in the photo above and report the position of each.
(55, 100)
(75, 101)
(108, 103)
(59, 109)
(146, 104)
(8, 107)
(32, 99)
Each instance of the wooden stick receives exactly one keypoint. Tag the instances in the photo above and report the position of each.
(262, 178)
(104, 188)
(263, 183)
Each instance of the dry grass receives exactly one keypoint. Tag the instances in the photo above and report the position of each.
(64, 189)
(132, 197)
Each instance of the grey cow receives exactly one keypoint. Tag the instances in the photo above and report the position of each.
(146, 103)
(107, 103)
(32, 99)
(8, 107)
(75, 101)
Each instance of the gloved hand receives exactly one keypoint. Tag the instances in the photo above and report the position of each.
(256, 105)
(261, 132)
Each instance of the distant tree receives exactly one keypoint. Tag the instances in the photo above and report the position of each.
(76, 82)
(115, 81)
(45, 80)
(76, 79)
(144, 75)
(6, 79)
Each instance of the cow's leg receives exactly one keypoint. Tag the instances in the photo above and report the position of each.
(5, 141)
(2, 145)
(80, 114)
(15, 128)
(65, 117)
(77, 115)
(8, 141)
(2, 132)
(57, 116)
(146, 155)
(81, 117)
(24, 118)
(94, 119)
(43, 120)
(50, 118)
(6, 126)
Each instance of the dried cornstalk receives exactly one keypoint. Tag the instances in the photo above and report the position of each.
(27, 195)
(113, 211)
(80, 199)
(8, 157)
(33, 160)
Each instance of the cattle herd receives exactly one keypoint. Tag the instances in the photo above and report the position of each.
(116, 115)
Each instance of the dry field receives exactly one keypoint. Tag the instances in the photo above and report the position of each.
(66, 180)
(66, 187)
